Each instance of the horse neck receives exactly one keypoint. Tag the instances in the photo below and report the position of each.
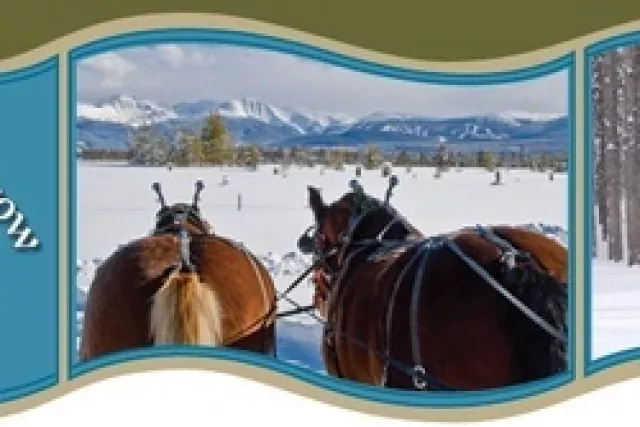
(382, 225)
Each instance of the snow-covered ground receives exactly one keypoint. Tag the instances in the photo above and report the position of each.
(615, 299)
(116, 204)
(615, 319)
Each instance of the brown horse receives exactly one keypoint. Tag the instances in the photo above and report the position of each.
(182, 285)
(474, 309)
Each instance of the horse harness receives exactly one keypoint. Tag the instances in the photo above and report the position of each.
(424, 248)
(174, 220)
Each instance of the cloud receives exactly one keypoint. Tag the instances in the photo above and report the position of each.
(171, 73)
(110, 68)
(172, 54)
(184, 56)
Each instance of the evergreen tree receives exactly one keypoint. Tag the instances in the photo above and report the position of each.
(403, 158)
(372, 157)
(146, 147)
(217, 146)
(423, 159)
(486, 160)
(250, 156)
(616, 134)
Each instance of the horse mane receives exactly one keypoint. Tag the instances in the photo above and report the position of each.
(541, 354)
(397, 231)
(548, 298)
(350, 199)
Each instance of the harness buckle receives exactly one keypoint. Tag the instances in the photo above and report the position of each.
(509, 259)
(420, 384)
(329, 339)
(344, 237)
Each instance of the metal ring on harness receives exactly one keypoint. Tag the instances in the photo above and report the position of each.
(418, 383)
(185, 258)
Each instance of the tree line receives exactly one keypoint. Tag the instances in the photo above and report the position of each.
(615, 120)
(213, 145)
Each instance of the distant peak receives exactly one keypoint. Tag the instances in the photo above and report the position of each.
(528, 115)
(125, 109)
(390, 115)
(120, 98)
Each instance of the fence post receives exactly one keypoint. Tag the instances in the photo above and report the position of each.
(239, 202)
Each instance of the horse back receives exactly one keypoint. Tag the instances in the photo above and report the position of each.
(118, 303)
(466, 330)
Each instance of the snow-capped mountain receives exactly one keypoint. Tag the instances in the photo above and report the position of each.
(126, 110)
(106, 124)
(245, 108)
(131, 111)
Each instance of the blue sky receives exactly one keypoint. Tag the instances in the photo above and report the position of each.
(175, 73)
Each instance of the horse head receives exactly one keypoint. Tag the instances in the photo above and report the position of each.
(355, 216)
(180, 216)
(353, 220)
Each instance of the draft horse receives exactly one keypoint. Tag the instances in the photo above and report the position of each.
(180, 285)
(474, 309)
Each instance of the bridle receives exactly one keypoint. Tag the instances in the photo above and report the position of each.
(315, 242)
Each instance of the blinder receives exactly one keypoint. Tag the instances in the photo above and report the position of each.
(313, 242)
(179, 210)
(178, 214)
(306, 241)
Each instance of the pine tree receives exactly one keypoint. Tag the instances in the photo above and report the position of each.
(423, 159)
(372, 157)
(403, 158)
(180, 153)
(616, 119)
(522, 157)
(612, 154)
(442, 158)
(217, 146)
(626, 118)
(486, 160)
(301, 156)
(633, 189)
(255, 155)
(146, 146)
(598, 120)
(341, 158)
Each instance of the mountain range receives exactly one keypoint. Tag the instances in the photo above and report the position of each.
(106, 124)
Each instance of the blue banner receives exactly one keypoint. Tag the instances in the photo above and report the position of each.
(29, 318)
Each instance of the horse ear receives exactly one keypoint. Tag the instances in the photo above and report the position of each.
(315, 201)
